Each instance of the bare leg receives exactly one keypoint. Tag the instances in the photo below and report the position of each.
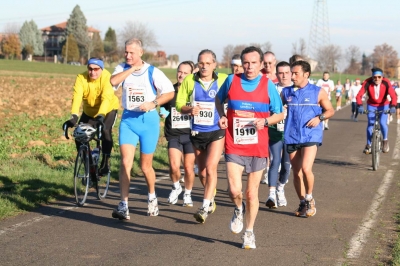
(127, 156)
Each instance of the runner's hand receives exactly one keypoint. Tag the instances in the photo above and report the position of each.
(259, 123)
(195, 110)
(313, 122)
(223, 122)
(392, 110)
(70, 123)
(147, 106)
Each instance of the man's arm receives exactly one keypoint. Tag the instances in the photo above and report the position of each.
(361, 92)
(326, 104)
(118, 77)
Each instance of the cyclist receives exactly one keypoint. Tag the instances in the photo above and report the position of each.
(377, 88)
(100, 105)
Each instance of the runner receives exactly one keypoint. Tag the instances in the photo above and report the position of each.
(100, 105)
(353, 93)
(196, 97)
(140, 83)
(177, 133)
(280, 162)
(377, 88)
(397, 90)
(236, 64)
(328, 85)
(303, 131)
(347, 86)
(339, 91)
(251, 99)
(270, 66)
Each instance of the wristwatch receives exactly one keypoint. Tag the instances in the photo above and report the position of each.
(155, 102)
(266, 122)
(321, 117)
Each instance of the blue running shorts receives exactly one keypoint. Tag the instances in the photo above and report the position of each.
(142, 127)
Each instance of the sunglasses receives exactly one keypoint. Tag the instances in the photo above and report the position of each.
(377, 77)
(94, 69)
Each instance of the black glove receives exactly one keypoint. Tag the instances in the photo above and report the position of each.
(100, 121)
(70, 123)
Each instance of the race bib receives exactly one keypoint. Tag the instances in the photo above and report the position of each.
(135, 96)
(280, 126)
(206, 114)
(244, 131)
(179, 120)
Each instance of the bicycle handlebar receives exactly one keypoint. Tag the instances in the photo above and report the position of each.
(66, 132)
(377, 112)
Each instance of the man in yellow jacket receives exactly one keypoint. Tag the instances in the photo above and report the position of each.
(100, 105)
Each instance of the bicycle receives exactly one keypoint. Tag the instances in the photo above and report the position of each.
(376, 140)
(86, 173)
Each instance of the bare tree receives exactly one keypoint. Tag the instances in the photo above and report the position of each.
(353, 56)
(135, 29)
(328, 57)
(300, 49)
(229, 51)
(265, 47)
(385, 57)
(11, 28)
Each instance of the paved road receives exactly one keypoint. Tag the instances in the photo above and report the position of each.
(346, 201)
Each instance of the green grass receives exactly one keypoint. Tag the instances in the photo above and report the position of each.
(34, 175)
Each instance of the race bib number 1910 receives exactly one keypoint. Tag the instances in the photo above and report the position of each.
(244, 131)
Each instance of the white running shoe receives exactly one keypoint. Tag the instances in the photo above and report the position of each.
(249, 240)
(280, 194)
(152, 207)
(173, 196)
(182, 180)
(121, 213)
(264, 180)
(398, 121)
(187, 200)
(236, 224)
(271, 202)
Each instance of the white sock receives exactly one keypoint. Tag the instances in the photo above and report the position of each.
(272, 191)
(176, 185)
(123, 203)
(249, 230)
(206, 203)
(280, 186)
(152, 196)
(187, 191)
(308, 197)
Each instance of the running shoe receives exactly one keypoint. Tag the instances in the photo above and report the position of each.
(264, 180)
(281, 199)
(249, 240)
(182, 180)
(236, 224)
(152, 207)
(302, 210)
(311, 210)
(122, 212)
(212, 207)
(271, 202)
(173, 196)
(367, 149)
(385, 146)
(201, 215)
(187, 200)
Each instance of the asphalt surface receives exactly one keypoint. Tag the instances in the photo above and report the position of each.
(345, 189)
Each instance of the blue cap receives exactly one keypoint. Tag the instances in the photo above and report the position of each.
(96, 61)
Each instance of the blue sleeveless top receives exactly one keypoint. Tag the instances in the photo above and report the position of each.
(302, 105)
(201, 95)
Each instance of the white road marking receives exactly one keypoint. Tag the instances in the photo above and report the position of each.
(32, 221)
(359, 239)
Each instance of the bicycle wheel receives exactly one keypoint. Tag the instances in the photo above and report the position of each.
(81, 176)
(102, 185)
(376, 149)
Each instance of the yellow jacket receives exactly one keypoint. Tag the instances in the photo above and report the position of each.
(97, 95)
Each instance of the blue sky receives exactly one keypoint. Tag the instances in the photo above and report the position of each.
(185, 27)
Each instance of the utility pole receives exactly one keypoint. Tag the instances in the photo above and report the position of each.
(319, 31)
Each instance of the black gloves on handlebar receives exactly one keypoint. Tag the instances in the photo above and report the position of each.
(100, 121)
(70, 123)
